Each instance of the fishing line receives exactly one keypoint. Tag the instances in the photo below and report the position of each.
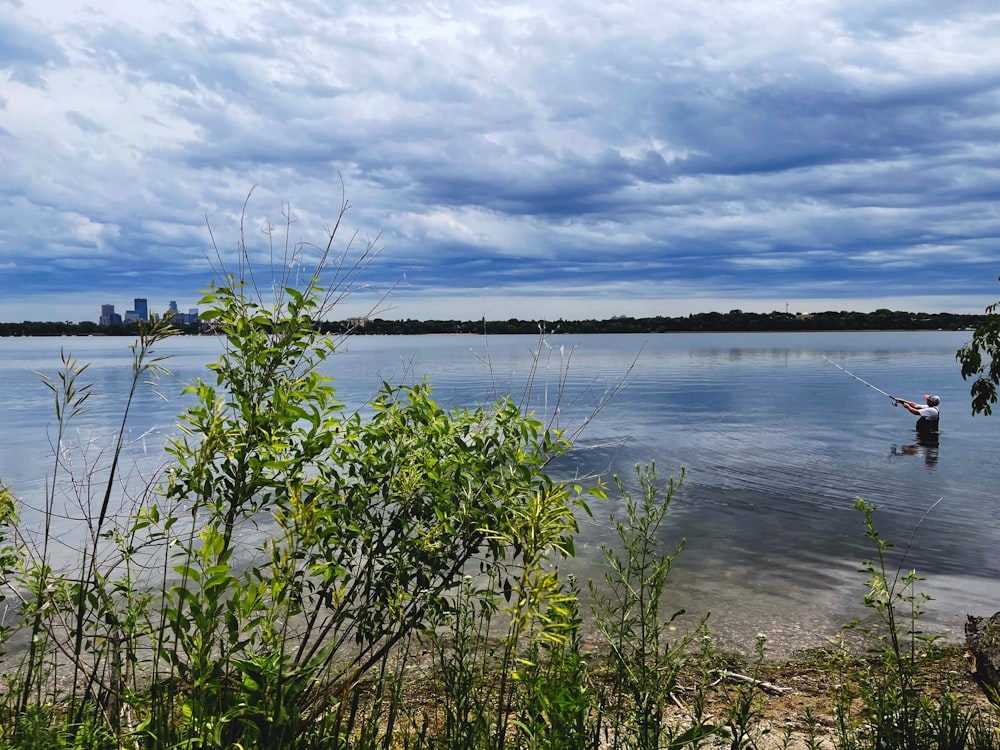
(894, 401)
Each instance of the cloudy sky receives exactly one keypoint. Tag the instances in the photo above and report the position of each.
(548, 159)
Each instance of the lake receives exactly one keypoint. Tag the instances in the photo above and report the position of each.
(775, 441)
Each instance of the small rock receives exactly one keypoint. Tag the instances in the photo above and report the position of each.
(982, 636)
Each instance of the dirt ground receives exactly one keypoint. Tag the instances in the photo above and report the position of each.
(806, 685)
(795, 707)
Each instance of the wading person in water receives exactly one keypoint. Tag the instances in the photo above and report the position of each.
(929, 413)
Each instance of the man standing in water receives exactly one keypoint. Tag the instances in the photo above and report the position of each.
(929, 413)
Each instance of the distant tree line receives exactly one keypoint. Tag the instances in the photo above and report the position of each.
(85, 328)
(734, 320)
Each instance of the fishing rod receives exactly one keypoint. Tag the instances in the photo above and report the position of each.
(895, 401)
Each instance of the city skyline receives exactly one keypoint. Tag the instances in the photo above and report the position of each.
(506, 160)
(142, 311)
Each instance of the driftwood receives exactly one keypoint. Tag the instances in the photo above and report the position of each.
(767, 687)
(982, 636)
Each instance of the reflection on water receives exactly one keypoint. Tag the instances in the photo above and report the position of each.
(926, 444)
(772, 542)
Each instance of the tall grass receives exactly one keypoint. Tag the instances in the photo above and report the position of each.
(885, 707)
(644, 659)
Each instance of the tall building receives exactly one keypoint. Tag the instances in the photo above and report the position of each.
(109, 317)
(139, 312)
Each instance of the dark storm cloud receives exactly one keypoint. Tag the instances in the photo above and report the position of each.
(777, 130)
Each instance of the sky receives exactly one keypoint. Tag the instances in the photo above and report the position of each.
(503, 159)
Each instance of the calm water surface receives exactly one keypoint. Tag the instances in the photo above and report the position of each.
(776, 444)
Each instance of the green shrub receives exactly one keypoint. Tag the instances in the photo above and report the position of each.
(365, 529)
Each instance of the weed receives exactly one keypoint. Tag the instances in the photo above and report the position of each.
(644, 662)
(893, 713)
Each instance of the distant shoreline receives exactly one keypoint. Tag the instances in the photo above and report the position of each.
(521, 333)
(735, 321)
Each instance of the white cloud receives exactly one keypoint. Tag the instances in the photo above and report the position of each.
(89, 231)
